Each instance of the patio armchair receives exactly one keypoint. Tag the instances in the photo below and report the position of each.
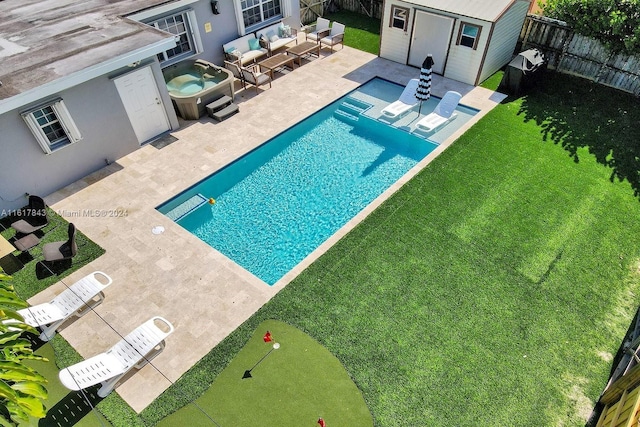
(35, 217)
(336, 36)
(321, 30)
(133, 351)
(234, 67)
(252, 75)
(61, 250)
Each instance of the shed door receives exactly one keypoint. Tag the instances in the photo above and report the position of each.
(142, 103)
(431, 34)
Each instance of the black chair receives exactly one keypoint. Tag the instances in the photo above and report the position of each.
(63, 250)
(35, 217)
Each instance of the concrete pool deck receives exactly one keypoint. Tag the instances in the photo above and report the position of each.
(174, 274)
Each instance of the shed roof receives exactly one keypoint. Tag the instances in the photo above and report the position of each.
(44, 41)
(486, 10)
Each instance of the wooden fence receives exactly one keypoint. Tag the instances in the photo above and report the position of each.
(310, 10)
(371, 8)
(572, 53)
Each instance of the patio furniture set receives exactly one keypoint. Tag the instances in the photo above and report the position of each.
(243, 54)
(29, 233)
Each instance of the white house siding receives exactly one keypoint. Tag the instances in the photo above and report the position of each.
(464, 62)
(394, 43)
(504, 39)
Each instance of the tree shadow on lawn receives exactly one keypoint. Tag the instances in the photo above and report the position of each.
(577, 113)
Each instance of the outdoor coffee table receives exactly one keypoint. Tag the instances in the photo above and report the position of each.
(276, 61)
(304, 49)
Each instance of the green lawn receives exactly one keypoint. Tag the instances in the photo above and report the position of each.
(361, 32)
(493, 288)
(294, 384)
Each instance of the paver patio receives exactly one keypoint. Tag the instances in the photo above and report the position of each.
(174, 274)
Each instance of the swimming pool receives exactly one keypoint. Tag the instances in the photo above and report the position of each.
(274, 206)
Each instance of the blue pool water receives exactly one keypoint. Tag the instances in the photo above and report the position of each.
(278, 203)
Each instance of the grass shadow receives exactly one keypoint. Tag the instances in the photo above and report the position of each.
(606, 132)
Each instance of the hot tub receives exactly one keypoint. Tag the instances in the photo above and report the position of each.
(192, 84)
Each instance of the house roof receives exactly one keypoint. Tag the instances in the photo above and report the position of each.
(486, 10)
(42, 42)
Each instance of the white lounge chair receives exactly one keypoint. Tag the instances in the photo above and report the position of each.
(405, 103)
(76, 300)
(442, 114)
(133, 351)
(322, 29)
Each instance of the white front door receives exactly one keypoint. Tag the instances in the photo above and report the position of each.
(142, 103)
(431, 34)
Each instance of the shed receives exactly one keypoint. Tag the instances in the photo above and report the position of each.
(469, 39)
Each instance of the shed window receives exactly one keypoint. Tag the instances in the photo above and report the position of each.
(52, 126)
(469, 35)
(399, 17)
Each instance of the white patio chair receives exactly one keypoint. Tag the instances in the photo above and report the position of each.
(336, 36)
(322, 30)
(76, 300)
(133, 351)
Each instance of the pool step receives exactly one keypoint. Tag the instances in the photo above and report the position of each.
(351, 108)
(355, 104)
(345, 116)
(186, 207)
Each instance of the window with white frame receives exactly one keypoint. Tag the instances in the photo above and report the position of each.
(179, 25)
(399, 17)
(255, 12)
(468, 35)
(52, 126)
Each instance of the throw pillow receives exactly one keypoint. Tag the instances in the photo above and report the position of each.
(285, 31)
(254, 44)
(236, 54)
(272, 36)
